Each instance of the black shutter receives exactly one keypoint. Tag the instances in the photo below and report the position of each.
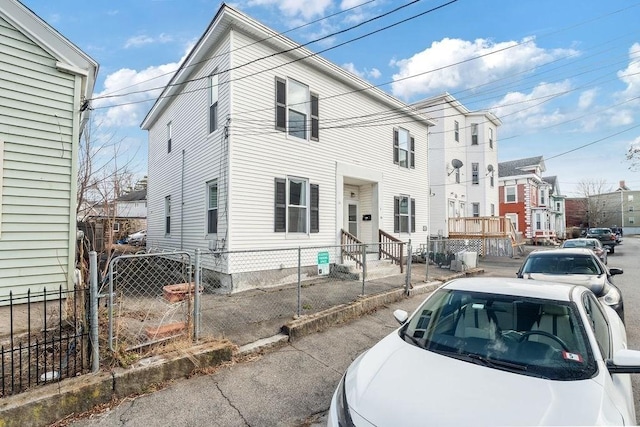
(315, 117)
(413, 153)
(280, 215)
(395, 146)
(396, 214)
(413, 214)
(315, 208)
(281, 104)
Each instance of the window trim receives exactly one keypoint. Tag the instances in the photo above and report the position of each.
(282, 205)
(515, 193)
(456, 130)
(474, 134)
(491, 138)
(213, 105)
(475, 173)
(457, 175)
(410, 215)
(475, 209)
(211, 184)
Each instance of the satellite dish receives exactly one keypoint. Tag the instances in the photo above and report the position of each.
(457, 164)
(490, 168)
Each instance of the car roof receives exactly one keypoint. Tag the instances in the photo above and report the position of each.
(562, 251)
(514, 287)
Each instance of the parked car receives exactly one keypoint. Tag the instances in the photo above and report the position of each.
(618, 232)
(494, 351)
(138, 238)
(578, 266)
(606, 237)
(593, 244)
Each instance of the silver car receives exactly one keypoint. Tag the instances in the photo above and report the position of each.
(586, 242)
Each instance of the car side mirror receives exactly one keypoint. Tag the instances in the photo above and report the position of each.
(614, 271)
(401, 316)
(624, 361)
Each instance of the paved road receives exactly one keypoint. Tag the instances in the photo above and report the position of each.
(292, 386)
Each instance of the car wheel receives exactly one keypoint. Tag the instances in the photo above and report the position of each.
(613, 250)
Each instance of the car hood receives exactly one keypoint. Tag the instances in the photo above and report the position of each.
(592, 281)
(396, 383)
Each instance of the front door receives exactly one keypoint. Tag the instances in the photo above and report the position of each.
(351, 217)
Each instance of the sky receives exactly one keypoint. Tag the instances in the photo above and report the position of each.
(563, 76)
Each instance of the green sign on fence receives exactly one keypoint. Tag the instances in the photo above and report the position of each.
(323, 263)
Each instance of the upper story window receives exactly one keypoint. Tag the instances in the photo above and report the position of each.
(475, 173)
(169, 131)
(493, 209)
(543, 197)
(475, 207)
(212, 207)
(404, 214)
(167, 215)
(296, 206)
(213, 102)
(491, 182)
(474, 134)
(490, 137)
(456, 131)
(403, 148)
(457, 175)
(510, 194)
(630, 198)
(297, 109)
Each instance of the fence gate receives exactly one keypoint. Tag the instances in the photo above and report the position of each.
(151, 299)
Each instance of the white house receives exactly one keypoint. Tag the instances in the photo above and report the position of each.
(557, 212)
(44, 82)
(258, 143)
(463, 162)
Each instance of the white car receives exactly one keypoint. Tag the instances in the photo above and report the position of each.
(495, 351)
(139, 238)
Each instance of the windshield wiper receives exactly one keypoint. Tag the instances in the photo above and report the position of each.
(493, 363)
(403, 334)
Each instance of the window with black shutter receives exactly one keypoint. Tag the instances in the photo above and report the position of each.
(413, 153)
(297, 206)
(396, 214)
(413, 215)
(315, 208)
(395, 146)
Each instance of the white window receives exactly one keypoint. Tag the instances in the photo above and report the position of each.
(169, 135)
(457, 175)
(543, 199)
(493, 209)
(490, 137)
(403, 148)
(558, 206)
(510, 194)
(452, 209)
(116, 227)
(475, 173)
(213, 101)
(456, 131)
(474, 134)
(404, 214)
(630, 198)
(630, 208)
(296, 108)
(491, 180)
(212, 207)
(296, 206)
(167, 215)
(475, 207)
(538, 221)
(463, 209)
(631, 220)
(513, 218)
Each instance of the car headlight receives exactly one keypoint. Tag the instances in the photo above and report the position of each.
(344, 416)
(612, 297)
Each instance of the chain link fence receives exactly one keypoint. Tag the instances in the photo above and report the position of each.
(150, 298)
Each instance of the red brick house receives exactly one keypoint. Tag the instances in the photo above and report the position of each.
(525, 198)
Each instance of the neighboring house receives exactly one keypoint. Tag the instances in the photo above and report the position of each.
(131, 213)
(576, 212)
(619, 208)
(468, 188)
(557, 214)
(524, 198)
(258, 143)
(45, 82)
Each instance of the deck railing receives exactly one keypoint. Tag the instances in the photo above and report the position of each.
(391, 248)
(491, 226)
(351, 248)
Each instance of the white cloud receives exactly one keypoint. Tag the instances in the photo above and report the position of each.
(460, 64)
(531, 110)
(366, 73)
(142, 40)
(139, 89)
(631, 75)
(586, 99)
(306, 8)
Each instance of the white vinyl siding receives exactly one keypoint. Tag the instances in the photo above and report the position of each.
(37, 110)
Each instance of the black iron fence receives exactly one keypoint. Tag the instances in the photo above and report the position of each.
(44, 338)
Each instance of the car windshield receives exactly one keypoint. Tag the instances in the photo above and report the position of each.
(561, 264)
(580, 244)
(599, 231)
(527, 336)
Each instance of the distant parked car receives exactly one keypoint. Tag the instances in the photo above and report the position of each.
(577, 266)
(618, 232)
(138, 238)
(606, 237)
(593, 244)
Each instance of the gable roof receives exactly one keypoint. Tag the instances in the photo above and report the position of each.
(227, 18)
(70, 58)
(439, 100)
(520, 166)
(134, 196)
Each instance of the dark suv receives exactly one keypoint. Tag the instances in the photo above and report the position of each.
(606, 237)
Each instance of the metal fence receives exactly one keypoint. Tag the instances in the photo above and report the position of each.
(45, 338)
(149, 298)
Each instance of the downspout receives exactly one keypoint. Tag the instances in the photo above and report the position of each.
(182, 204)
